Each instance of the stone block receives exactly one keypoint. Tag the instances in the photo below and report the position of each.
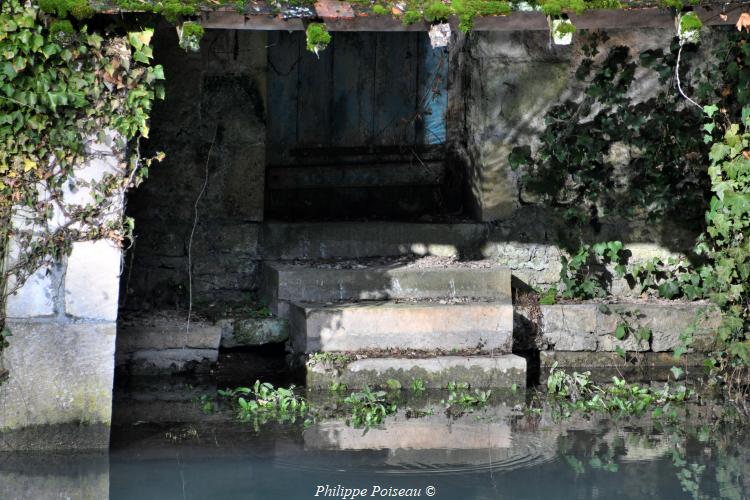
(243, 332)
(35, 298)
(58, 374)
(570, 327)
(670, 323)
(391, 325)
(478, 371)
(299, 283)
(591, 326)
(166, 333)
(92, 280)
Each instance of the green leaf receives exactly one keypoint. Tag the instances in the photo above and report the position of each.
(621, 331)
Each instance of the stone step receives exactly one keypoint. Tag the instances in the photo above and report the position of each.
(422, 326)
(437, 372)
(283, 284)
(352, 240)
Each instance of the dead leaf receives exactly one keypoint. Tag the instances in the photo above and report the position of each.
(743, 22)
(723, 17)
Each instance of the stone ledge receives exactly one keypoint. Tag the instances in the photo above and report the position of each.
(478, 371)
(645, 367)
(424, 326)
(589, 327)
(249, 332)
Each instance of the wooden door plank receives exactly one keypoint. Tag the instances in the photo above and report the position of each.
(283, 70)
(314, 112)
(432, 93)
(353, 89)
(395, 88)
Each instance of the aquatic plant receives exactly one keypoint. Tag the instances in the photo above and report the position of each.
(369, 408)
(577, 392)
(263, 402)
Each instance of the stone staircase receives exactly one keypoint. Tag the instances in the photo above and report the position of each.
(362, 322)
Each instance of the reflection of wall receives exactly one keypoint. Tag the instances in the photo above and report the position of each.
(215, 101)
(50, 476)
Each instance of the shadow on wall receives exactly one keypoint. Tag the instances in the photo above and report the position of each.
(509, 83)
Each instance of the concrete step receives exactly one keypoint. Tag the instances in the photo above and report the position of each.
(286, 283)
(422, 326)
(352, 240)
(436, 372)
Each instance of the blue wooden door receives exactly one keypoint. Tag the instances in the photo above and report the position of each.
(365, 90)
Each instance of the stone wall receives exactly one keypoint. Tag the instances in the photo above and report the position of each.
(62, 321)
(212, 128)
(509, 81)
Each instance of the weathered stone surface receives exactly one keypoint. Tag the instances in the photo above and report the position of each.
(35, 298)
(391, 325)
(59, 374)
(569, 327)
(253, 331)
(215, 101)
(165, 361)
(162, 343)
(644, 367)
(590, 326)
(162, 333)
(92, 280)
(295, 283)
(285, 241)
(477, 371)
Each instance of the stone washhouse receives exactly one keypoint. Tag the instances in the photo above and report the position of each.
(358, 202)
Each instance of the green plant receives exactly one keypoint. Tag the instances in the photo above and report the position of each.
(418, 385)
(329, 359)
(602, 155)
(578, 393)
(690, 21)
(379, 10)
(549, 297)
(263, 402)
(585, 274)
(61, 89)
(318, 37)
(369, 408)
(565, 28)
(437, 11)
(411, 17)
(461, 399)
(190, 34)
(393, 384)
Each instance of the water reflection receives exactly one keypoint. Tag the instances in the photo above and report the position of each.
(498, 452)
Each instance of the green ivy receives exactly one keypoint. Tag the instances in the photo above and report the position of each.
(574, 168)
(59, 88)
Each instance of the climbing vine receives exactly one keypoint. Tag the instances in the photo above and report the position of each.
(612, 153)
(63, 90)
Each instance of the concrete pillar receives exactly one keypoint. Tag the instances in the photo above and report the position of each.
(62, 321)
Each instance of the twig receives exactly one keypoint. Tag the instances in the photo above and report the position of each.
(677, 76)
(192, 232)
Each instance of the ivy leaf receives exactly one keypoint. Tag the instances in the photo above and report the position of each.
(669, 290)
(710, 110)
(621, 331)
(677, 372)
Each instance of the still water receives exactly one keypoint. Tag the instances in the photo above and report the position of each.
(495, 453)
